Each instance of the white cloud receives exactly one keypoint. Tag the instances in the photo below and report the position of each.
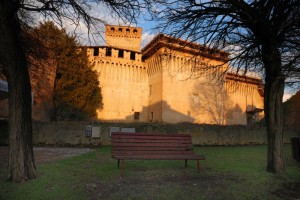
(94, 36)
(288, 93)
(286, 97)
(146, 38)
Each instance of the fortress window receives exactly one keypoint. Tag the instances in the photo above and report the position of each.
(150, 89)
(132, 55)
(121, 54)
(136, 115)
(120, 29)
(108, 51)
(151, 117)
(127, 30)
(96, 51)
(112, 29)
(135, 31)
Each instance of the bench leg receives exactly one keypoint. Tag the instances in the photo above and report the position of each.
(118, 163)
(123, 168)
(185, 163)
(198, 166)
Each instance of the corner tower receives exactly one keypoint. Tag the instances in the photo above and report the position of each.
(123, 37)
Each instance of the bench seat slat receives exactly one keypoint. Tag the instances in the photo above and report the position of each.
(142, 149)
(155, 137)
(137, 140)
(159, 157)
(124, 138)
(116, 134)
(146, 147)
(177, 152)
(144, 144)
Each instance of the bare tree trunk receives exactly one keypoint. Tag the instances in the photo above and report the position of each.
(12, 58)
(273, 112)
(274, 88)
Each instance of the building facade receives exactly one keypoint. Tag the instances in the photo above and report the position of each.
(171, 80)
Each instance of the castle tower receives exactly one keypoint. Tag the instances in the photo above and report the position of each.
(123, 37)
(122, 75)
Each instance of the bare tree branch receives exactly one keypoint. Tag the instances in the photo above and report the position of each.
(260, 35)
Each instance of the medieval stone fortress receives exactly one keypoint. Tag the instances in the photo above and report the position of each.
(171, 81)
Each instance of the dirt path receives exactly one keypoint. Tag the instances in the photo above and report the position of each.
(45, 154)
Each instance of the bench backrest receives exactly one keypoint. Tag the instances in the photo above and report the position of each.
(151, 143)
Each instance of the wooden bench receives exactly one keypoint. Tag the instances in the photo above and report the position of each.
(152, 146)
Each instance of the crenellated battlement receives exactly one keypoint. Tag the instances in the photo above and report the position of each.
(123, 37)
(112, 53)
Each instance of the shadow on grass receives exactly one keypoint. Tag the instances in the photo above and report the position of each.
(231, 173)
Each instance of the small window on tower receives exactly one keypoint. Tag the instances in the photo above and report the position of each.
(151, 117)
(127, 30)
(132, 55)
(150, 89)
(112, 29)
(136, 115)
(121, 54)
(96, 51)
(120, 29)
(135, 31)
(108, 51)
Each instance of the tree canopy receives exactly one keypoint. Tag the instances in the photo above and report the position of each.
(242, 28)
(77, 94)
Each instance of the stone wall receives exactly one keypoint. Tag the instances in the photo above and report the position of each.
(124, 86)
(73, 133)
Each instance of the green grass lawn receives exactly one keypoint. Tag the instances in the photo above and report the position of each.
(229, 173)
